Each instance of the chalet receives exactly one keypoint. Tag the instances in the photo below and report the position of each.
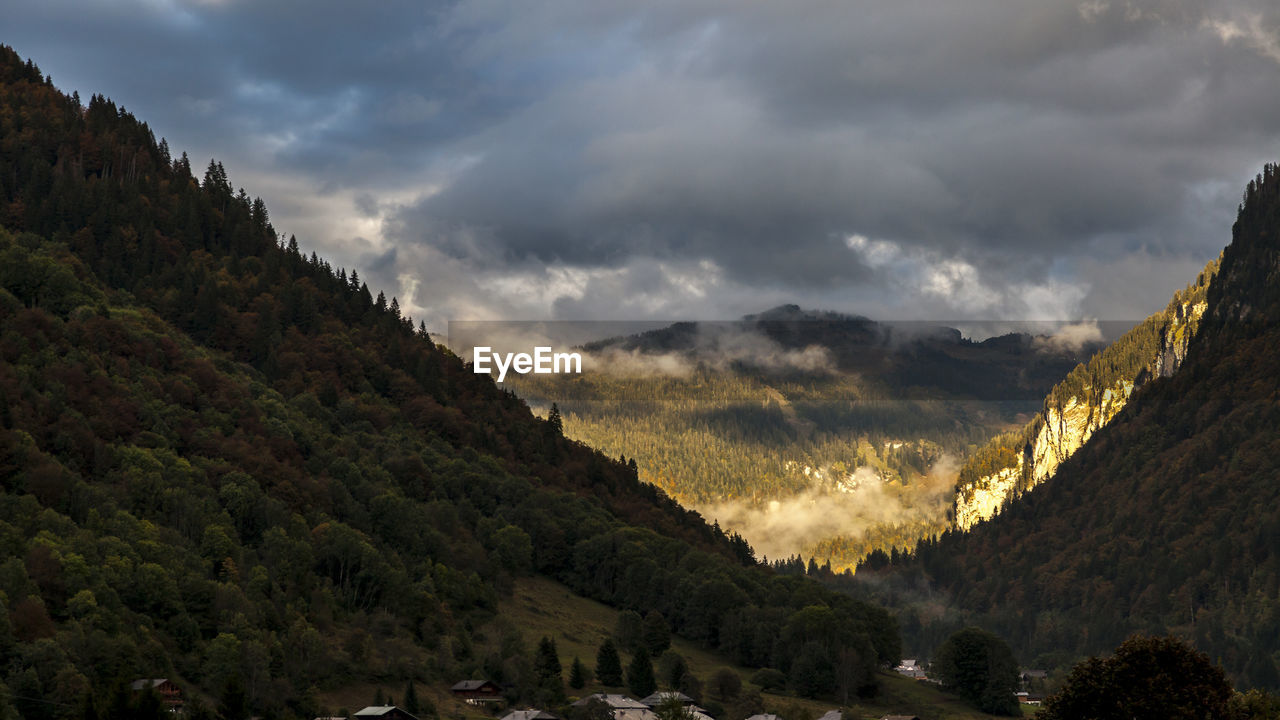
(1027, 698)
(634, 714)
(900, 717)
(1034, 681)
(764, 716)
(621, 706)
(909, 668)
(169, 693)
(832, 715)
(477, 692)
(658, 698)
(615, 702)
(383, 712)
(529, 715)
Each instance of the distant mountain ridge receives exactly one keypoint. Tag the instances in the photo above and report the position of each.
(1011, 366)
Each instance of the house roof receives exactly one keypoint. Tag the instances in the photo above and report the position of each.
(145, 683)
(660, 697)
(466, 685)
(374, 711)
(831, 715)
(765, 716)
(900, 717)
(617, 702)
(642, 713)
(530, 715)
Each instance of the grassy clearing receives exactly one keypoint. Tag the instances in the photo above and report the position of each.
(538, 607)
(543, 607)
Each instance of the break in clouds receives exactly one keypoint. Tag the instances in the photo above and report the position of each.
(568, 159)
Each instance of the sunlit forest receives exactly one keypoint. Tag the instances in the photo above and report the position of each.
(871, 445)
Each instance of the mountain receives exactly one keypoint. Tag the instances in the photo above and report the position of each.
(1085, 401)
(910, 359)
(225, 463)
(808, 432)
(1166, 521)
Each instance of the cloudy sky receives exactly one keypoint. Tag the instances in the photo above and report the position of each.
(594, 159)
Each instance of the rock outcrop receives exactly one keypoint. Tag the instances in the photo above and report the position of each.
(1079, 406)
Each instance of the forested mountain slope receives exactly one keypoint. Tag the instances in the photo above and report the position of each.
(1086, 400)
(227, 464)
(1169, 518)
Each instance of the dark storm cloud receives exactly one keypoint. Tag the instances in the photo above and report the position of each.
(1008, 135)
(701, 157)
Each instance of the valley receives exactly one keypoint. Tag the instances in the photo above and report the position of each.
(232, 468)
(811, 434)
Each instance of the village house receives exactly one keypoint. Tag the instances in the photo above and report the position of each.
(529, 715)
(621, 706)
(909, 668)
(383, 712)
(656, 699)
(615, 702)
(169, 693)
(477, 692)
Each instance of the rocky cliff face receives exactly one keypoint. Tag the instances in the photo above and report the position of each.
(1082, 404)
(983, 502)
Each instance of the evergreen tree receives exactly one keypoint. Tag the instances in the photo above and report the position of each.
(608, 665)
(547, 666)
(640, 680)
(554, 419)
(577, 674)
(411, 699)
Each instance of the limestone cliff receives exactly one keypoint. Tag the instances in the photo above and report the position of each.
(1090, 396)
